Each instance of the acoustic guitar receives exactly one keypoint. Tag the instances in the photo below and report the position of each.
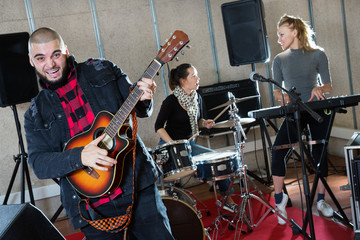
(91, 182)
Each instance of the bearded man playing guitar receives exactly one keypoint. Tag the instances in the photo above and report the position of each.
(69, 107)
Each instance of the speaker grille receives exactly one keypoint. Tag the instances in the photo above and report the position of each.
(245, 32)
(217, 94)
(17, 77)
(25, 221)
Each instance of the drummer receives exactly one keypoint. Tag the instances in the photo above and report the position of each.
(180, 117)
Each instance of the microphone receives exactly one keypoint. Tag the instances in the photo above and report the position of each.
(257, 77)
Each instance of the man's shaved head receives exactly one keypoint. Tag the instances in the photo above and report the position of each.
(49, 56)
(44, 35)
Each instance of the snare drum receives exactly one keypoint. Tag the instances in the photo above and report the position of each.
(213, 166)
(175, 159)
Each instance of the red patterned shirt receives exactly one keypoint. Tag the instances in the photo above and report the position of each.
(80, 117)
(77, 109)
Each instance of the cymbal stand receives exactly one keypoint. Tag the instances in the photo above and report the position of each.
(217, 224)
(237, 124)
(244, 213)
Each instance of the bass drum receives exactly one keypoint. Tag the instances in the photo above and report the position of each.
(184, 219)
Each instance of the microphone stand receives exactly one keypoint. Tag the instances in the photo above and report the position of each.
(297, 106)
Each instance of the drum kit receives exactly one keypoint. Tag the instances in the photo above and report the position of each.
(177, 162)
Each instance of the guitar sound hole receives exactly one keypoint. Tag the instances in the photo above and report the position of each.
(98, 132)
(107, 143)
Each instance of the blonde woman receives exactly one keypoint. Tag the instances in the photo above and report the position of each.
(302, 65)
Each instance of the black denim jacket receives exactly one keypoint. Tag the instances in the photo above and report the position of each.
(106, 87)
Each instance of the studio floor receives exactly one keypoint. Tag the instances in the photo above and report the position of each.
(337, 178)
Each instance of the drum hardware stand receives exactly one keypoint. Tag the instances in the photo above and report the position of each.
(20, 159)
(264, 135)
(239, 138)
(217, 225)
(246, 195)
(244, 214)
(238, 149)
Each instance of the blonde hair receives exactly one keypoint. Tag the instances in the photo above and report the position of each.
(305, 33)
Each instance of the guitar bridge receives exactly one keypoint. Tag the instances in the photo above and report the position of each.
(92, 172)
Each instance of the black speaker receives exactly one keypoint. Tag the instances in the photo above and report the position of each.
(17, 77)
(25, 221)
(245, 32)
(217, 94)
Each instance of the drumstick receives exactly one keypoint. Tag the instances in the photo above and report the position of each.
(221, 113)
(196, 134)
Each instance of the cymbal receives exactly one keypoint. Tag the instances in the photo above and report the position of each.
(230, 123)
(236, 100)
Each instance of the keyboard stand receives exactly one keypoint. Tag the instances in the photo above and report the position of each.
(318, 176)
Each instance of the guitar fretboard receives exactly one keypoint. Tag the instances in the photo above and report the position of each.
(131, 101)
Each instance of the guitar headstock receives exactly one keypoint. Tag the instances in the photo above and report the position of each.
(177, 41)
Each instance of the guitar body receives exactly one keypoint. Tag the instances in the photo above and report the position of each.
(92, 182)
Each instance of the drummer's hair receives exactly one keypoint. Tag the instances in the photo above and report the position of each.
(177, 73)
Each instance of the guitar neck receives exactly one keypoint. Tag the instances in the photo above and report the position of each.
(129, 104)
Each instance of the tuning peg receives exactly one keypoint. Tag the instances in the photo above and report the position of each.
(182, 53)
(177, 59)
(188, 46)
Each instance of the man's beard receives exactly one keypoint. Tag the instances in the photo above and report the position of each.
(57, 83)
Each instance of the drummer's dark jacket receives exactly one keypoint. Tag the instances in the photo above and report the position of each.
(106, 87)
